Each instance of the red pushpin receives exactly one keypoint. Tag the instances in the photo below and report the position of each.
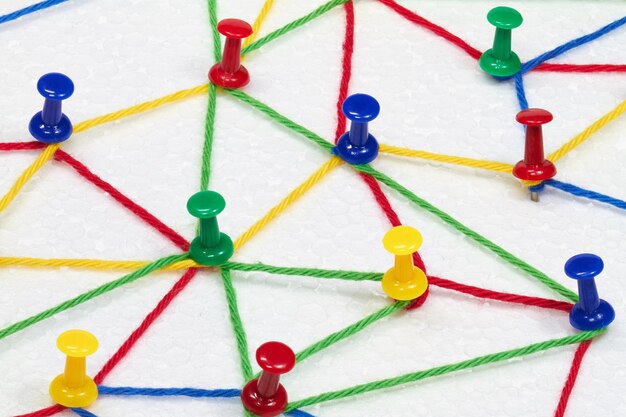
(230, 73)
(265, 396)
(534, 167)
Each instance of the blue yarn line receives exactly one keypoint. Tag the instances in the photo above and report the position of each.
(29, 9)
(581, 192)
(170, 392)
(528, 66)
(298, 413)
(180, 392)
(520, 91)
(83, 413)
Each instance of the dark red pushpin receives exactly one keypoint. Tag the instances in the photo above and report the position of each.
(265, 396)
(534, 167)
(230, 73)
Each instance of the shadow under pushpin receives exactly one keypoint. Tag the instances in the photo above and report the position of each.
(590, 312)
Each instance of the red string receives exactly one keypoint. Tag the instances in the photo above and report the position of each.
(436, 29)
(500, 296)
(346, 68)
(581, 67)
(45, 412)
(135, 208)
(145, 324)
(21, 146)
(571, 378)
(130, 342)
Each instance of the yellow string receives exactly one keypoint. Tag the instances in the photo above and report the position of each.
(97, 264)
(448, 159)
(142, 107)
(585, 134)
(100, 264)
(287, 201)
(258, 22)
(41, 160)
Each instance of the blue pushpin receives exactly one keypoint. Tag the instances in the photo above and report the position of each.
(50, 125)
(590, 312)
(357, 146)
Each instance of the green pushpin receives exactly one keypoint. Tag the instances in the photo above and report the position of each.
(500, 61)
(211, 247)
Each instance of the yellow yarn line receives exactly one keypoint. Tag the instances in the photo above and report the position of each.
(28, 173)
(287, 201)
(139, 108)
(97, 264)
(585, 134)
(448, 159)
(258, 22)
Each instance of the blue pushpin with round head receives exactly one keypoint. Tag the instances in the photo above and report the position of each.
(50, 125)
(590, 312)
(358, 146)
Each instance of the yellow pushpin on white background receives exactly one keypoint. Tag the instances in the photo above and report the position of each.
(73, 388)
(403, 281)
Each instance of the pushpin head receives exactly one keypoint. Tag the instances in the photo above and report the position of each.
(584, 266)
(77, 343)
(211, 247)
(55, 86)
(500, 61)
(206, 204)
(505, 17)
(265, 396)
(74, 388)
(590, 312)
(50, 125)
(357, 146)
(234, 28)
(404, 281)
(275, 357)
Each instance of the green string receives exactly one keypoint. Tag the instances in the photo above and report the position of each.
(293, 25)
(235, 320)
(281, 119)
(217, 42)
(207, 148)
(306, 272)
(350, 330)
(66, 305)
(442, 370)
(209, 120)
(501, 252)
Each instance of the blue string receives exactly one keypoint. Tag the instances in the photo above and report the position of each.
(528, 66)
(170, 392)
(29, 9)
(520, 91)
(83, 413)
(176, 392)
(298, 413)
(581, 192)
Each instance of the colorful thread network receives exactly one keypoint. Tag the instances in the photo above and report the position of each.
(371, 176)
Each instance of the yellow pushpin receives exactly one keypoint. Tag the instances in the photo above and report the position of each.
(74, 388)
(404, 281)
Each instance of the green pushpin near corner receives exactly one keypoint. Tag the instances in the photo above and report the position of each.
(210, 247)
(501, 61)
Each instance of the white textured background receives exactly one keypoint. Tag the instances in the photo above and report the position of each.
(433, 97)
